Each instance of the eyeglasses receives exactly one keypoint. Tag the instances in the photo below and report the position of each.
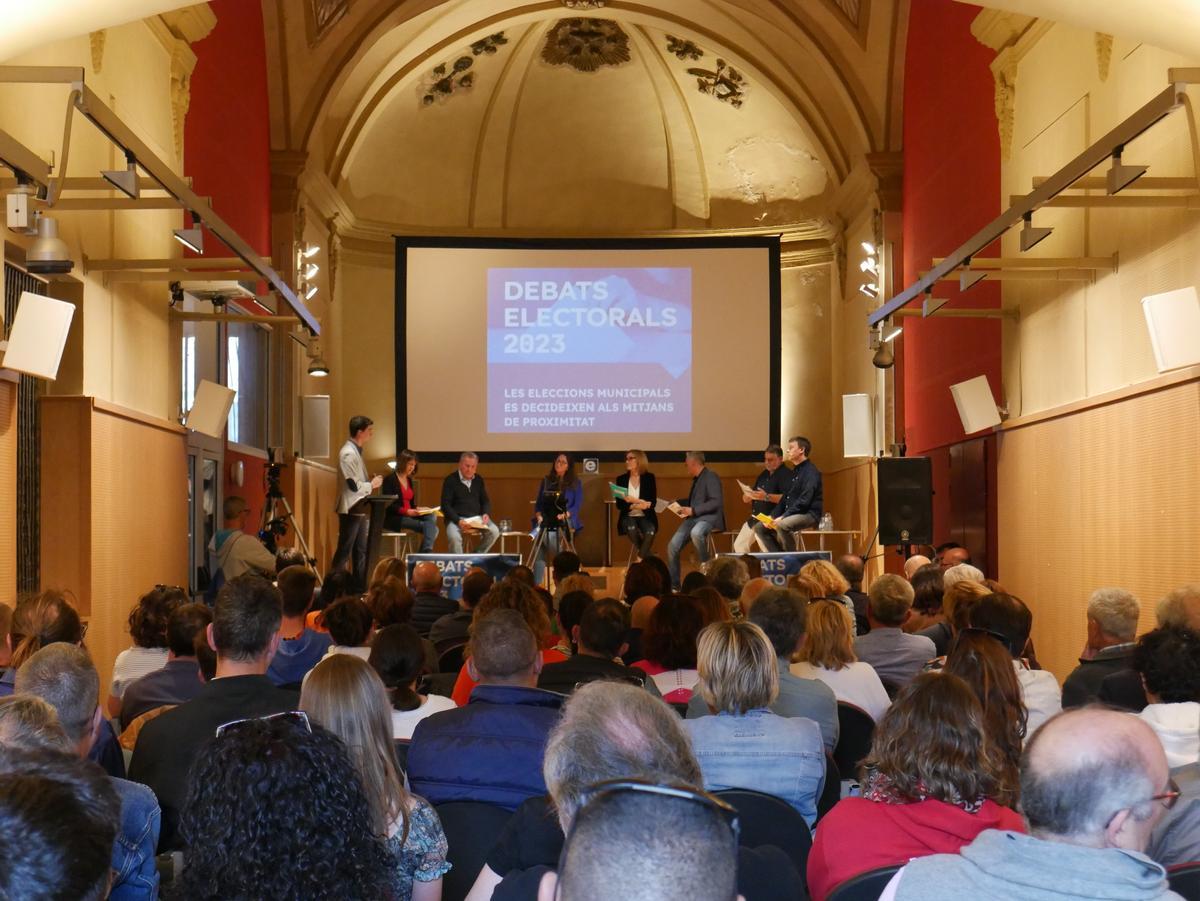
(299, 717)
(1169, 799)
(991, 633)
(629, 457)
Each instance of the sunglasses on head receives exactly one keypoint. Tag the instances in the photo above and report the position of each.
(991, 633)
(299, 717)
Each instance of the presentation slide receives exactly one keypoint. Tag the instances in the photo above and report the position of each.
(529, 348)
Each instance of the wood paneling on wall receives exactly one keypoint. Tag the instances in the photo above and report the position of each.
(1105, 495)
(311, 488)
(8, 492)
(114, 513)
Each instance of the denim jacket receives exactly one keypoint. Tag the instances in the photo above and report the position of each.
(135, 874)
(760, 751)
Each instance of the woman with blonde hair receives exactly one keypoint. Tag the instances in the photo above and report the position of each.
(636, 518)
(827, 655)
(36, 622)
(388, 567)
(745, 745)
(832, 584)
(346, 696)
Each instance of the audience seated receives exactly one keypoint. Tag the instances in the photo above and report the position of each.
(1094, 783)
(750, 592)
(851, 568)
(58, 819)
(299, 646)
(571, 607)
(928, 613)
(288, 556)
(276, 809)
(236, 552)
(179, 680)
(601, 640)
(669, 643)
(388, 568)
(390, 603)
(148, 629)
(931, 784)
(398, 656)
(1112, 618)
(429, 604)
(337, 584)
(609, 730)
(475, 584)
(827, 655)
(564, 564)
(491, 749)
(346, 696)
(1179, 607)
(895, 655)
(1011, 621)
(828, 582)
(713, 606)
(1168, 660)
(746, 745)
(641, 580)
(37, 621)
(693, 581)
(639, 619)
(26, 721)
(245, 634)
(951, 554)
(961, 572)
(64, 677)
(728, 575)
(780, 613)
(913, 564)
(349, 623)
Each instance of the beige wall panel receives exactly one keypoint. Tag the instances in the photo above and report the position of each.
(8, 492)
(806, 389)
(1101, 497)
(66, 524)
(312, 490)
(850, 495)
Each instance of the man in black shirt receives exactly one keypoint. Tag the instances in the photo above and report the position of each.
(601, 638)
(467, 507)
(801, 505)
(769, 489)
(453, 626)
(429, 604)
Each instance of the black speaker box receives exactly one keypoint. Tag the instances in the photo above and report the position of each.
(905, 500)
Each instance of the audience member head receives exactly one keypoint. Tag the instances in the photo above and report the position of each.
(780, 613)
(278, 808)
(504, 650)
(289, 556)
(851, 568)
(64, 676)
(1112, 617)
(1005, 615)
(928, 591)
(806, 587)
(59, 817)
(613, 730)
(579, 581)
(951, 554)
(234, 510)
(603, 627)
(829, 635)
(751, 591)
(832, 583)
(41, 620)
(337, 584)
(246, 620)
(933, 743)
(520, 573)
(641, 610)
(148, 618)
(346, 696)
(728, 575)
(891, 599)
(1180, 607)
(958, 599)
(388, 568)
(565, 563)
(30, 723)
(515, 596)
(571, 608)
(1094, 777)
(296, 585)
(960, 572)
(349, 621)
(475, 584)
(660, 566)
(670, 636)
(641, 580)
(632, 845)
(984, 664)
(994, 587)
(390, 602)
(753, 565)
(738, 668)
(398, 655)
(426, 578)
(1168, 660)
(713, 605)
(184, 624)
(693, 581)
(914, 563)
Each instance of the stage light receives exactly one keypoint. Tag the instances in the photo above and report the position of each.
(868, 247)
(868, 265)
(308, 251)
(391, 464)
(869, 290)
(968, 277)
(309, 292)
(1121, 176)
(124, 180)
(192, 237)
(310, 271)
(884, 357)
(316, 363)
(1030, 235)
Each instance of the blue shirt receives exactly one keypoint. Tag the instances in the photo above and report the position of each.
(135, 873)
(296, 656)
(803, 495)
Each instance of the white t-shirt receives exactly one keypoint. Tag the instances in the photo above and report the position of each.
(635, 495)
(405, 721)
(856, 683)
(132, 664)
(1041, 694)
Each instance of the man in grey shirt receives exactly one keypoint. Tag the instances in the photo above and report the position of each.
(780, 613)
(895, 655)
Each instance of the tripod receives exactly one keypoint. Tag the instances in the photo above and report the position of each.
(273, 524)
(553, 504)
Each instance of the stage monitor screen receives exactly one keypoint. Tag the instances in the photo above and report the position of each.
(524, 348)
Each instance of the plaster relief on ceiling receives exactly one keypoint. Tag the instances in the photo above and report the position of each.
(323, 15)
(849, 8)
(771, 173)
(447, 79)
(586, 44)
(683, 49)
(725, 83)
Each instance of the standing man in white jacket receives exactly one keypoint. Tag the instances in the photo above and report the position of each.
(356, 485)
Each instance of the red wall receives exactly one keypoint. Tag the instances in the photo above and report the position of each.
(951, 190)
(227, 138)
(253, 487)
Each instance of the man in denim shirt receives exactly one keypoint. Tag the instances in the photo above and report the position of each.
(64, 676)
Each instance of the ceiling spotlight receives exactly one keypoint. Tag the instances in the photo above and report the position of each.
(316, 363)
(968, 277)
(124, 180)
(309, 292)
(869, 290)
(868, 265)
(391, 464)
(310, 271)
(1121, 176)
(318, 368)
(1030, 235)
(48, 254)
(308, 251)
(192, 237)
(868, 247)
(884, 357)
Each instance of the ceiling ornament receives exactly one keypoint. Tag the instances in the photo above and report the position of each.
(321, 16)
(586, 44)
(683, 48)
(849, 8)
(96, 39)
(585, 4)
(725, 83)
(447, 79)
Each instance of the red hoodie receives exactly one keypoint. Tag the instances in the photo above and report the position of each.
(860, 835)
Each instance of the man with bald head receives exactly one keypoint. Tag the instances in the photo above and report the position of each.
(951, 554)
(429, 604)
(913, 563)
(1094, 783)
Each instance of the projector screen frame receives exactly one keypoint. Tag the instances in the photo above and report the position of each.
(771, 243)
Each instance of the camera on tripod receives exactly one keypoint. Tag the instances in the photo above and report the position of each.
(273, 527)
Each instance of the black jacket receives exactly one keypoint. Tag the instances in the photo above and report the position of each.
(428, 609)
(647, 491)
(458, 501)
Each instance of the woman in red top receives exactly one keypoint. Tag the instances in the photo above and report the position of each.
(930, 785)
(402, 514)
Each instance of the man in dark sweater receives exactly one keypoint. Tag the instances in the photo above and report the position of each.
(801, 505)
(179, 680)
(466, 506)
(429, 604)
(456, 626)
(1112, 618)
(601, 638)
(245, 634)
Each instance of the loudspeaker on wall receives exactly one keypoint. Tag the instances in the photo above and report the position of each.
(38, 335)
(210, 409)
(905, 500)
(1173, 320)
(858, 428)
(314, 426)
(976, 406)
